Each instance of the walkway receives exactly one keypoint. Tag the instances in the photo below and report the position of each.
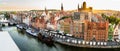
(7, 43)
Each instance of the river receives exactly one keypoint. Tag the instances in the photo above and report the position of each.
(26, 42)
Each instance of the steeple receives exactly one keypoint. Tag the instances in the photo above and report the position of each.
(78, 7)
(84, 5)
(46, 11)
(62, 7)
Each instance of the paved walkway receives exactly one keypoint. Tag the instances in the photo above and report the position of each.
(7, 43)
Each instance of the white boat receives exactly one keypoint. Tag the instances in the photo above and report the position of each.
(31, 32)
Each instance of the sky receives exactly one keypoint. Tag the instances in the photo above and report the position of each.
(56, 4)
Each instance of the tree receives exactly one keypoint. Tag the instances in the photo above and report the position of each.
(104, 16)
(64, 17)
(7, 15)
(113, 21)
(117, 22)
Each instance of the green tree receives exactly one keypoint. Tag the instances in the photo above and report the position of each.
(64, 17)
(7, 15)
(113, 21)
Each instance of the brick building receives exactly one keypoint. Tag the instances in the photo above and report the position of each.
(97, 31)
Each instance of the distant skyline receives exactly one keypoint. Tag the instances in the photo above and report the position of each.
(56, 4)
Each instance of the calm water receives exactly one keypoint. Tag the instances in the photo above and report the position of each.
(26, 42)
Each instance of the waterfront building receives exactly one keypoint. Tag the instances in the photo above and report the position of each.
(119, 32)
(78, 29)
(26, 20)
(92, 29)
(97, 31)
(75, 24)
(116, 33)
(66, 25)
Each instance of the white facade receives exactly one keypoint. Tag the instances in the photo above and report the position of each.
(116, 33)
(26, 20)
(119, 32)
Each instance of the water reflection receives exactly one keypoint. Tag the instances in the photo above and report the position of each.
(27, 42)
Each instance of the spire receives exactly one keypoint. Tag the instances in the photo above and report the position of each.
(45, 8)
(78, 7)
(61, 6)
(84, 5)
(46, 11)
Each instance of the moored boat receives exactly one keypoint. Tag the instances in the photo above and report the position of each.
(19, 27)
(32, 32)
(46, 39)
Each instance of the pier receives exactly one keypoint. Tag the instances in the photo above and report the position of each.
(7, 43)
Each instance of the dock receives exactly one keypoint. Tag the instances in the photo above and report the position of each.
(7, 43)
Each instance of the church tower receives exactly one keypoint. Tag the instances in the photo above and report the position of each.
(46, 11)
(62, 7)
(78, 7)
(84, 5)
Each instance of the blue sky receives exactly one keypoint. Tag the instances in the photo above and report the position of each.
(55, 4)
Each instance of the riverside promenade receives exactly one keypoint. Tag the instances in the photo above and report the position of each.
(7, 43)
